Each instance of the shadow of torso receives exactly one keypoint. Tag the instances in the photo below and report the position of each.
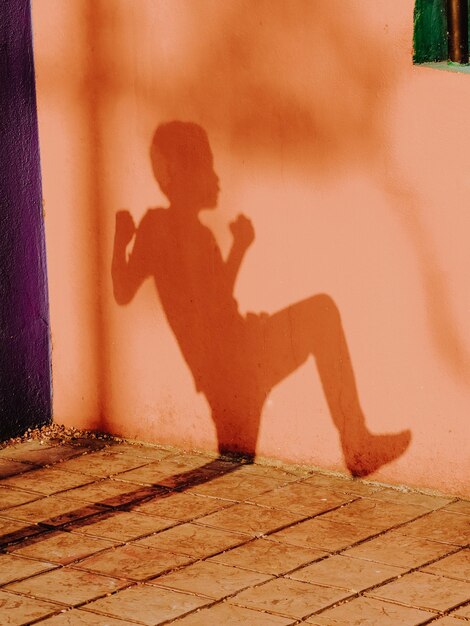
(223, 349)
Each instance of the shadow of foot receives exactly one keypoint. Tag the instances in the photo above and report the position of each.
(370, 452)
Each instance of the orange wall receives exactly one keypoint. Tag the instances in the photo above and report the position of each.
(353, 167)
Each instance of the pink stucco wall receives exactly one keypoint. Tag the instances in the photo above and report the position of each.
(353, 167)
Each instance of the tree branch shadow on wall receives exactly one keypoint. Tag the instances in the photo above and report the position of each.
(235, 361)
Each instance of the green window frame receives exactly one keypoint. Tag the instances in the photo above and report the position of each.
(441, 31)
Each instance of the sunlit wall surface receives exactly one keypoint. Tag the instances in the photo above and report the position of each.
(352, 166)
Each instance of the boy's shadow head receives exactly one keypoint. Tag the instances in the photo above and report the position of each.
(183, 165)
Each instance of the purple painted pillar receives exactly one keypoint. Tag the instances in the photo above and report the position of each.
(25, 379)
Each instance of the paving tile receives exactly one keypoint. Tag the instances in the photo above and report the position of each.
(170, 473)
(47, 480)
(460, 506)
(343, 484)
(60, 547)
(290, 598)
(14, 497)
(12, 530)
(375, 514)
(189, 478)
(43, 455)
(16, 450)
(411, 497)
(249, 518)
(283, 475)
(210, 579)
(232, 615)
(393, 548)
(16, 610)
(204, 492)
(448, 621)
(86, 444)
(12, 468)
(15, 568)
(424, 591)
(441, 526)
(147, 604)
(194, 540)
(369, 612)
(268, 557)
(120, 525)
(323, 534)
(463, 611)
(154, 453)
(52, 510)
(181, 506)
(133, 562)
(67, 586)
(110, 492)
(302, 498)
(236, 486)
(103, 463)
(347, 573)
(188, 461)
(454, 566)
(77, 617)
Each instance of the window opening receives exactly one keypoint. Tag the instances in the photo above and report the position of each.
(441, 31)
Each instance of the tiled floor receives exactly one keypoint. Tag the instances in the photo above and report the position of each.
(119, 534)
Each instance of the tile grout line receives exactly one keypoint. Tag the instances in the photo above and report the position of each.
(299, 480)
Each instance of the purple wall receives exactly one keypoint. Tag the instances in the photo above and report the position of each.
(25, 381)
